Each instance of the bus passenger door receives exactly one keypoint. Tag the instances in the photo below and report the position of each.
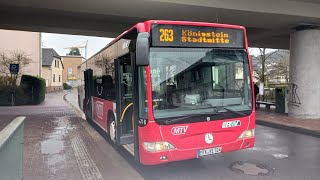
(88, 91)
(124, 100)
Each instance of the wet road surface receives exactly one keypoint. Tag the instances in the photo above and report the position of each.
(60, 145)
(279, 154)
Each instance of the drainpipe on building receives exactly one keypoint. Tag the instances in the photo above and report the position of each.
(40, 54)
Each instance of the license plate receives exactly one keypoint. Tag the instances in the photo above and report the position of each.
(210, 151)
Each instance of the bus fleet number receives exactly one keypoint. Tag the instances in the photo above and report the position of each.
(166, 35)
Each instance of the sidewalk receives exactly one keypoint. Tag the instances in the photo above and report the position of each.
(71, 97)
(103, 153)
(58, 145)
(283, 121)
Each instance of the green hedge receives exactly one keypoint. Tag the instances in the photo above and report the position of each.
(6, 92)
(34, 88)
(5, 95)
(66, 86)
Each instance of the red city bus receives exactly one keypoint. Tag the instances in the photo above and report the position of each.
(173, 90)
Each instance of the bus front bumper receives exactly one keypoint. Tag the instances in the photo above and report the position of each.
(153, 158)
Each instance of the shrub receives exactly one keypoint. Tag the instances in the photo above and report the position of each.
(66, 86)
(34, 88)
(5, 95)
(6, 91)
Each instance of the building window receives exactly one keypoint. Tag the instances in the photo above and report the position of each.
(55, 63)
(59, 78)
(54, 78)
(69, 70)
(58, 64)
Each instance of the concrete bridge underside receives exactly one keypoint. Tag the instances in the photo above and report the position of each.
(270, 23)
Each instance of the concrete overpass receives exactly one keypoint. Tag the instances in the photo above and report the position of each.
(270, 23)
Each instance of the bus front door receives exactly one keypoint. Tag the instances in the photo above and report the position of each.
(88, 91)
(124, 93)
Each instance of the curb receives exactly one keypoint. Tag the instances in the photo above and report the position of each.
(76, 109)
(289, 128)
(117, 160)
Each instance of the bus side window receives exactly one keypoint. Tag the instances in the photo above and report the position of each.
(109, 87)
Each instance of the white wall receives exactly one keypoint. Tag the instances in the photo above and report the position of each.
(29, 42)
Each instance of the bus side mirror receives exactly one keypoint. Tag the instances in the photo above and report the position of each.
(142, 49)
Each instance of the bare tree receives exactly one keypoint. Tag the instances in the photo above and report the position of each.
(260, 64)
(281, 67)
(271, 67)
(14, 57)
(106, 63)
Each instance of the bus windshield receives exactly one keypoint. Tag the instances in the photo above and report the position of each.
(190, 81)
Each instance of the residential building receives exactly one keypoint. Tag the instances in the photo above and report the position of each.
(27, 42)
(52, 68)
(70, 72)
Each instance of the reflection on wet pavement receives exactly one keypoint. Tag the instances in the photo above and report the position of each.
(281, 156)
(52, 146)
(59, 145)
(47, 148)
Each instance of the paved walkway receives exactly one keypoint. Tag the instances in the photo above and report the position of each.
(269, 116)
(60, 145)
(71, 97)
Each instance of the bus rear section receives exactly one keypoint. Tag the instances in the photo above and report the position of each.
(182, 90)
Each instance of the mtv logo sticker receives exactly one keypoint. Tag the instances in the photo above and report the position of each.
(178, 130)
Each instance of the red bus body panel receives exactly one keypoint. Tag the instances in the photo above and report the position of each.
(101, 107)
(192, 139)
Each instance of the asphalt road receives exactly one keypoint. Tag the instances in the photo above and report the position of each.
(279, 154)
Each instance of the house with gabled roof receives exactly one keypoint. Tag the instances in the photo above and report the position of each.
(52, 69)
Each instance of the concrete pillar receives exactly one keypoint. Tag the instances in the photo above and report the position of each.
(304, 87)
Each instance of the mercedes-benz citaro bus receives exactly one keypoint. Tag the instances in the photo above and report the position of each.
(172, 90)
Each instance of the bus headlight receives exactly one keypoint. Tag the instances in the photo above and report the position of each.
(157, 146)
(247, 134)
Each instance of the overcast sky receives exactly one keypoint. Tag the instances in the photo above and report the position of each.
(61, 41)
(256, 51)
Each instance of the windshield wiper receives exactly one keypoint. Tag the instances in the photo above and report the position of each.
(216, 109)
(230, 110)
(172, 121)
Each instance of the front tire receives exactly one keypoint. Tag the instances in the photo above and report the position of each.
(112, 130)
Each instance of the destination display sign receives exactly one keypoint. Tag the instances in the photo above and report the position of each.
(196, 36)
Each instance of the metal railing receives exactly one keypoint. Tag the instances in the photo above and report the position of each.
(11, 150)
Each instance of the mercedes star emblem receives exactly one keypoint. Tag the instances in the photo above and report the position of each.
(208, 138)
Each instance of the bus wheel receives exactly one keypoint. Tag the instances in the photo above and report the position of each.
(112, 129)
